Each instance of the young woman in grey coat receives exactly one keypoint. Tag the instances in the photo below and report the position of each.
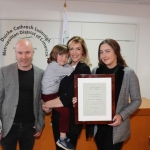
(112, 136)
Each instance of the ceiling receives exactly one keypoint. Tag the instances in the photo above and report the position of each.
(142, 2)
(146, 2)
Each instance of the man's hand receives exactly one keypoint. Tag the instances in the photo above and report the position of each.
(37, 134)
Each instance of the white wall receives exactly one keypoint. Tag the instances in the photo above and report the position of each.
(92, 12)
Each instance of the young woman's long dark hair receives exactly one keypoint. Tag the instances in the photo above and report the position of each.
(116, 47)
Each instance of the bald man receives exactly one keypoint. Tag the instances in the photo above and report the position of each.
(20, 100)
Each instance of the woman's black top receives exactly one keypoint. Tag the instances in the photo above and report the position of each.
(118, 71)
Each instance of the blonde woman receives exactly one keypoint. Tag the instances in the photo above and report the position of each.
(79, 60)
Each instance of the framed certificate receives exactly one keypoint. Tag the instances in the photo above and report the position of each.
(96, 98)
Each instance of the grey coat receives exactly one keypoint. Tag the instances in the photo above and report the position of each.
(9, 95)
(129, 89)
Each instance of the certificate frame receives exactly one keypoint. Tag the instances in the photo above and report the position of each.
(101, 82)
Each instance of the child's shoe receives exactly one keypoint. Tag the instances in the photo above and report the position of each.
(65, 144)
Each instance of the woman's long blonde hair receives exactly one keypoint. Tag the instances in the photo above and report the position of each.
(85, 58)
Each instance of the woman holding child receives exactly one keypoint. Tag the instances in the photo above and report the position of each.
(79, 60)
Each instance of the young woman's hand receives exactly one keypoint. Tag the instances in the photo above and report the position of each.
(74, 100)
(117, 120)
